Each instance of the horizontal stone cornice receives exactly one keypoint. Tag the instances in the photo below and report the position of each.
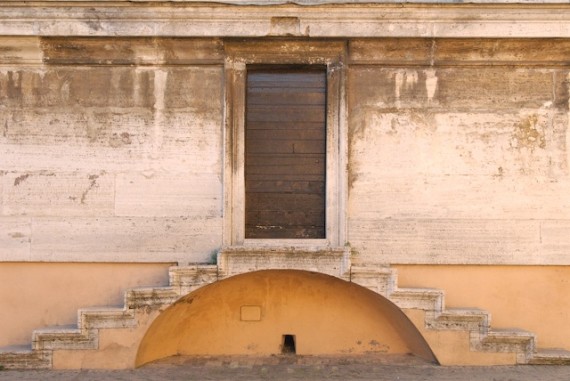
(188, 19)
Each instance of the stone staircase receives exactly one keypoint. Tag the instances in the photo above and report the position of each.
(90, 321)
(425, 307)
(476, 322)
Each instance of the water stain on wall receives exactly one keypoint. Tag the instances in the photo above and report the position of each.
(528, 134)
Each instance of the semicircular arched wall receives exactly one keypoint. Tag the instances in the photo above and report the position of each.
(249, 314)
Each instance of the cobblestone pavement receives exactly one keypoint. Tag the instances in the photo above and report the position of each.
(282, 368)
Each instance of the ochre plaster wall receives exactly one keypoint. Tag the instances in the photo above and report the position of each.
(36, 295)
(117, 347)
(248, 314)
(533, 298)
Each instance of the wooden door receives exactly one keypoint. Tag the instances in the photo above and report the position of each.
(285, 152)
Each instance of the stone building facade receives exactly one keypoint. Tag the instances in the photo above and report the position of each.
(124, 191)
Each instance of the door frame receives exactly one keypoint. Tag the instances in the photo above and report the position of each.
(239, 54)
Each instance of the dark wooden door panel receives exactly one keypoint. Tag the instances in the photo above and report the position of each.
(279, 125)
(285, 148)
(285, 232)
(286, 202)
(287, 79)
(285, 113)
(267, 217)
(280, 186)
(296, 146)
(287, 134)
(285, 97)
(287, 168)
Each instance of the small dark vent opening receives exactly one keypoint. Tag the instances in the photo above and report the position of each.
(288, 347)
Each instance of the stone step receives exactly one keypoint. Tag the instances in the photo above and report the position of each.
(511, 335)
(550, 357)
(427, 299)
(65, 337)
(382, 280)
(457, 319)
(150, 297)
(23, 357)
(185, 279)
(105, 317)
(508, 341)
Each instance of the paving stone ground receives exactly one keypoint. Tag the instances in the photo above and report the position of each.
(285, 368)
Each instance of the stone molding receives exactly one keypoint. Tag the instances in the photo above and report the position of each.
(147, 51)
(188, 19)
(239, 260)
(388, 52)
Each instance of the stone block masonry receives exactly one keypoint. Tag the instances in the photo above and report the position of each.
(108, 162)
(458, 153)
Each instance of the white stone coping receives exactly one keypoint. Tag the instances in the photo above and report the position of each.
(235, 18)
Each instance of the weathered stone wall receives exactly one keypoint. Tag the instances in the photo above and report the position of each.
(110, 149)
(459, 151)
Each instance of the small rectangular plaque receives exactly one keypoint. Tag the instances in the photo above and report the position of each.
(250, 313)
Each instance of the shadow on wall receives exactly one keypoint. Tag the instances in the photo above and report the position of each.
(281, 311)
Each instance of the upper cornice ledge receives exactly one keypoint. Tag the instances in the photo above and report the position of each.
(304, 18)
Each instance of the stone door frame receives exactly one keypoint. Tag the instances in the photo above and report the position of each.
(239, 54)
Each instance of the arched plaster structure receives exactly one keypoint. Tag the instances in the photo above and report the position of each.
(250, 314)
